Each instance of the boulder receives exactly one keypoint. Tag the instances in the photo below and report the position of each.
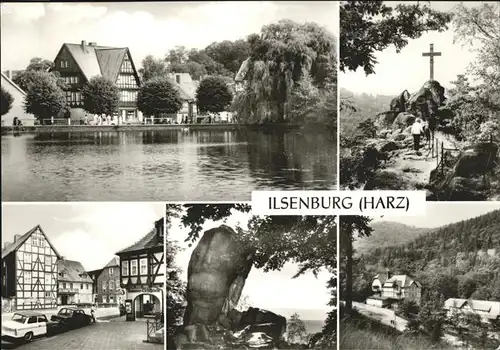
(216, 263)
(272, 324)
(466, 189)
(384, 133)
(478, 159)
(403, 120)
(385, 119)
(387, 146)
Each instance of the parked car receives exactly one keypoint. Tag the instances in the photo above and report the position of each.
(72, 317)
(24, 325)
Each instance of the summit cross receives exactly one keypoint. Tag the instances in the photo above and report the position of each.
(431, 55)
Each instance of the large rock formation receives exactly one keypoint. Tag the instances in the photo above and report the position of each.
(218, 269)
(217, 262)
(426, 102)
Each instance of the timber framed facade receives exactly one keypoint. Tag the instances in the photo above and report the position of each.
(29, 271)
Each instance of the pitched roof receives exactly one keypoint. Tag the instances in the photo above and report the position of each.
(73, 271)
(402, 281)
(490, 307)
(184, 94)
(19, 242)
(113, 262)
(150, 240)
(110, 61)
(4, 76)
(98, 60)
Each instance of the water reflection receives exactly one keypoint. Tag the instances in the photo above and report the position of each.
(164, 165)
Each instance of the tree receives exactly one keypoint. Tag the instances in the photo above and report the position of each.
(6, 101)
(230, 54)
(349, 227)
(153, 67)
(44, 99)
(213, 95)
(39, 64)
(158, 96)
(280, 58)
(370, 26)
(475, 109)
(26, 79)
(296, 329)
(409, 308)
(100, 96)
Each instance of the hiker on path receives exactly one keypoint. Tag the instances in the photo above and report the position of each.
(417, 130)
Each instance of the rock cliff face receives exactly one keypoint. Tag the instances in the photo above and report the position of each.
(218, 269)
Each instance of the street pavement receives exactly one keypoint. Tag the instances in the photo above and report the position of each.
(115, 334)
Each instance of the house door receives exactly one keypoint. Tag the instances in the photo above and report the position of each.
(64, 300)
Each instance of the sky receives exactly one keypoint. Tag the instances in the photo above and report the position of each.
(275, 290)
(395, 72)
(440, 214)
(90, 233)
(39, 29)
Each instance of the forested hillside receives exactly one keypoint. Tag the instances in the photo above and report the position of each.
(365, 105)
(458, 260)
(386, 234)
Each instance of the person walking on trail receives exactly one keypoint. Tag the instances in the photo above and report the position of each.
(417, 131)
(92, 312)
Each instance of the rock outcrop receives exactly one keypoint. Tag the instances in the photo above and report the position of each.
(218, 269)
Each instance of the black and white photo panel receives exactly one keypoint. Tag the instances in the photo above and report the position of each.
(429, 282)
(238, 281)
(419, 105)
(83, 276)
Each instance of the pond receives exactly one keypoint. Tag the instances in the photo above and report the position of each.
(164, 165)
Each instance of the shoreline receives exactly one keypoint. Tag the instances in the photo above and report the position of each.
(6, 130)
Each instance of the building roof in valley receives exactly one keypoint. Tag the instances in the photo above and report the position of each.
(402, 281)
(113, 262)
(96, 60)
(151, 240)
(19, 240)
(72, 271)
(492, 308)
(9, 81)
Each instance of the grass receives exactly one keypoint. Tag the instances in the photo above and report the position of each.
(359, 332)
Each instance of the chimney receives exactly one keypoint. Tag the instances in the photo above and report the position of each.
(159, 227)
(16, 237)
(84, 46)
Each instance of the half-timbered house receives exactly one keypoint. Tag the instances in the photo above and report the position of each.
(30, 271)
(142, 272)
(78, 63)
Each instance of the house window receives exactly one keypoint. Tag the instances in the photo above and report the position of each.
(124, 268)
(47, 294)
(127, 66)
(111, 271)
(133, 267)
(125, 81)
(111, 285)
(104, 286)
(64, 285)
(128, 96)
(64, 64)
(144, 266)
(87, 286)
(71, 286)
(81, 285)
(47, 279)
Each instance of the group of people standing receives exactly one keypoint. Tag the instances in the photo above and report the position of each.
(420, 129)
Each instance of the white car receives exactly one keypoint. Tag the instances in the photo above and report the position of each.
(24, 326)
